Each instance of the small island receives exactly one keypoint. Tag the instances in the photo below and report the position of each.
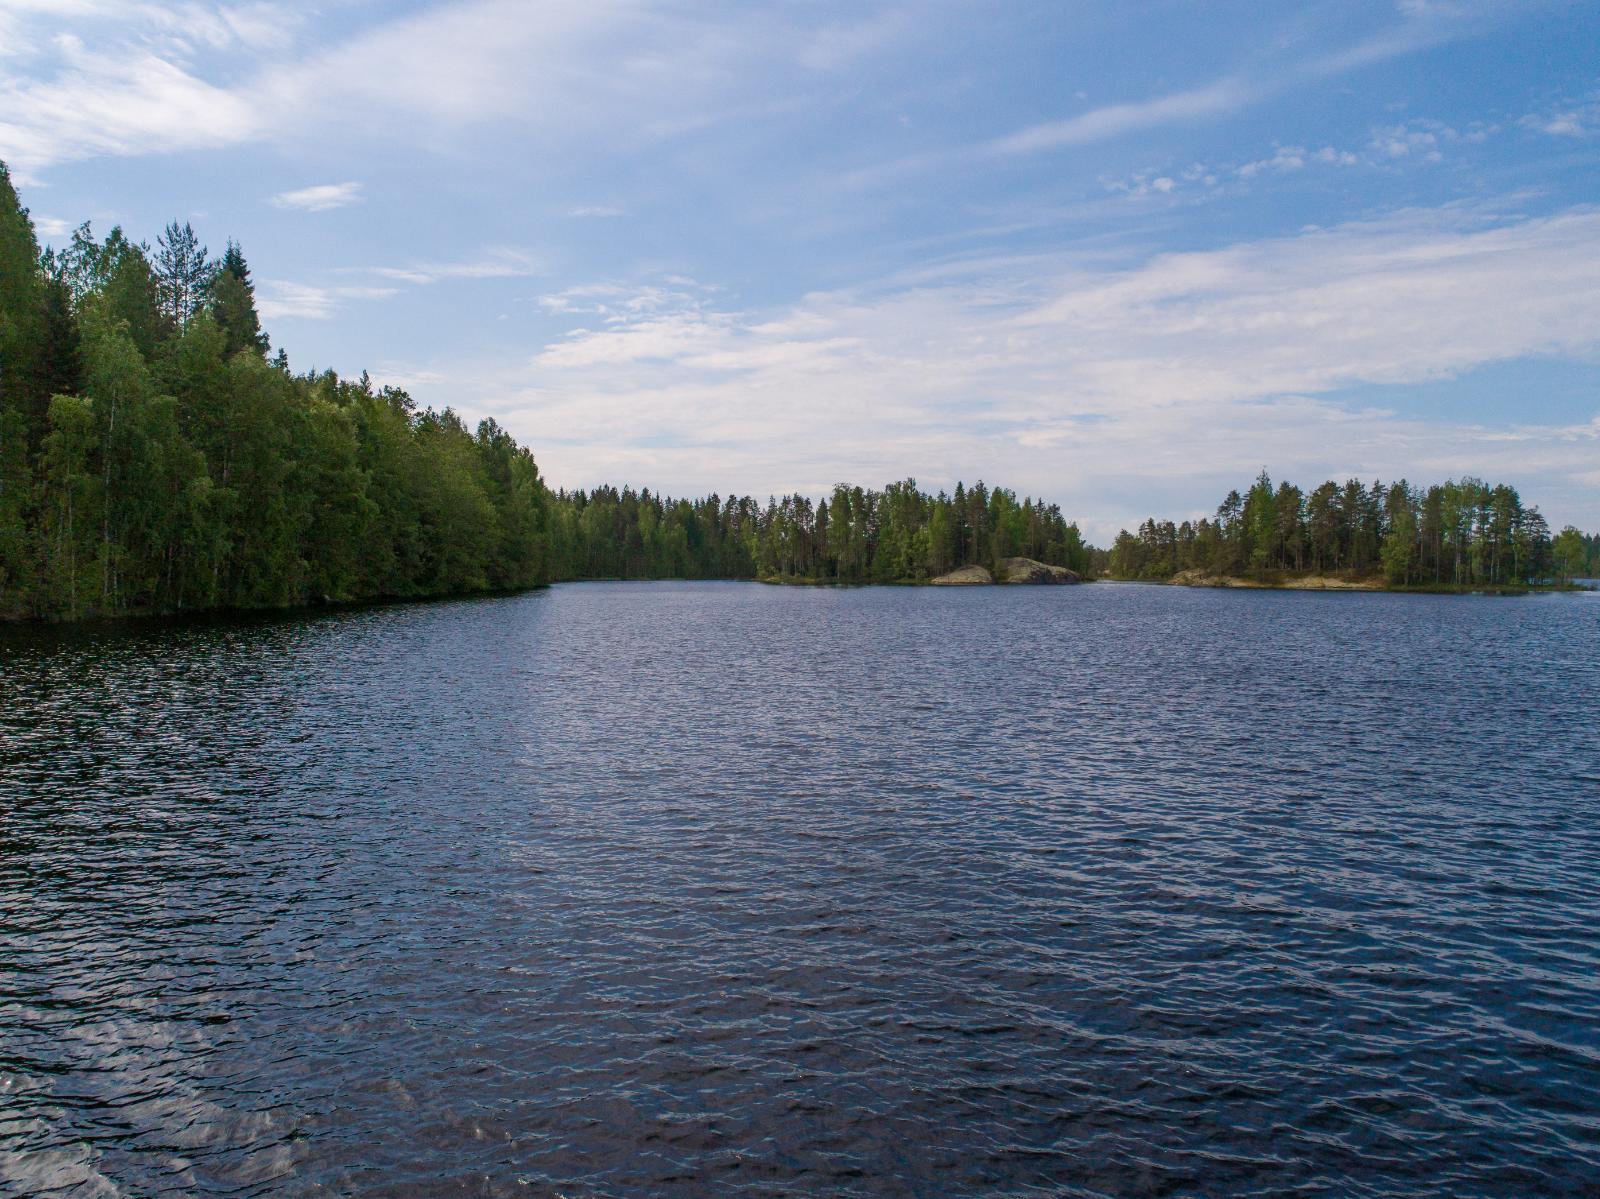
(1025, 571)
(1463, 535)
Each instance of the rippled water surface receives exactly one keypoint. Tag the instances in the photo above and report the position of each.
(699, 889)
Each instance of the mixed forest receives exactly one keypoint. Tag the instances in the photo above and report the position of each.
(1463, 533)
(900, 534)
(153, 458)
(157, 456)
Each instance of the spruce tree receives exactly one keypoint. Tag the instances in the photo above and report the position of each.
(233, 304)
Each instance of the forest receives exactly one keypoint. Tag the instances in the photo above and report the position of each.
(900, 534)
(1462, 533)
(154, 459)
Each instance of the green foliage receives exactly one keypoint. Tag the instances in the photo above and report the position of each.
(1460, 533)
(1400, 547)
(1575, 556)
(233, 304)
(857, 535)
(71, 516)
(183, 274)
(22, 317)
(152, 460)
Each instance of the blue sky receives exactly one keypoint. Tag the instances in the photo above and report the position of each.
(1121, 255)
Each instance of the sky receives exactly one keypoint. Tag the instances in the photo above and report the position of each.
(1120, 256)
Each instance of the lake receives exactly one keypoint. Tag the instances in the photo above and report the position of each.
(709, 889)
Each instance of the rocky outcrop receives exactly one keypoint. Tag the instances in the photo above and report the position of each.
(963, 576)
(1198, 578)
(1026, 570)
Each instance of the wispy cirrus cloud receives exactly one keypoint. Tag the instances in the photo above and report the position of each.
(285, 300)
(125, 103)
(1113, 120)
(320, 198)
(146, 78)
(1425, 25)
(499, 263)
(102, 79)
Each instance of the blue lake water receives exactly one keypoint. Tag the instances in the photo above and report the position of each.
(712, 889)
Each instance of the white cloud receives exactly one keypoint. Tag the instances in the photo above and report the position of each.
(1146, 182)
(130, 102)
(320, 198)
(502, 263)
(1082, 383)
(1331, 157)
(153, 77)
(1099, 124)
(616, 303)
(1283, 160)
(1413, 139)
(598, 210)
(283, 300)
(1565, 124)
(838, 45)
(1224, 96)
(141, 78)
(1287, 158)
(1569, 120)
(1417, 141)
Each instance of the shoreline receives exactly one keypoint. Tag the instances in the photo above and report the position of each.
(1325, 583)
(1203, 582)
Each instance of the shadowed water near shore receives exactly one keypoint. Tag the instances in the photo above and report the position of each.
(683, 889)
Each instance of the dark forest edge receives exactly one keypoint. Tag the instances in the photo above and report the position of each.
(155, 459)
(1462, 535)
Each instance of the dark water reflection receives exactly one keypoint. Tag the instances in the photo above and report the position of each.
(707, 889)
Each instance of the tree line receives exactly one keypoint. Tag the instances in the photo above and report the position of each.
(856, 535)
(153, 459)
(1461, 533)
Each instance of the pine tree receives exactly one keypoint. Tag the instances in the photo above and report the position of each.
(183, 272)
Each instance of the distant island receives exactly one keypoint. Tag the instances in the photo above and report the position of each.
(155, 457)
(1455, 536)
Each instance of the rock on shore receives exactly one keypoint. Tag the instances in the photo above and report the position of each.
(963, 576)
(1026, 570)
(1012, 570)
(1197, 578)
